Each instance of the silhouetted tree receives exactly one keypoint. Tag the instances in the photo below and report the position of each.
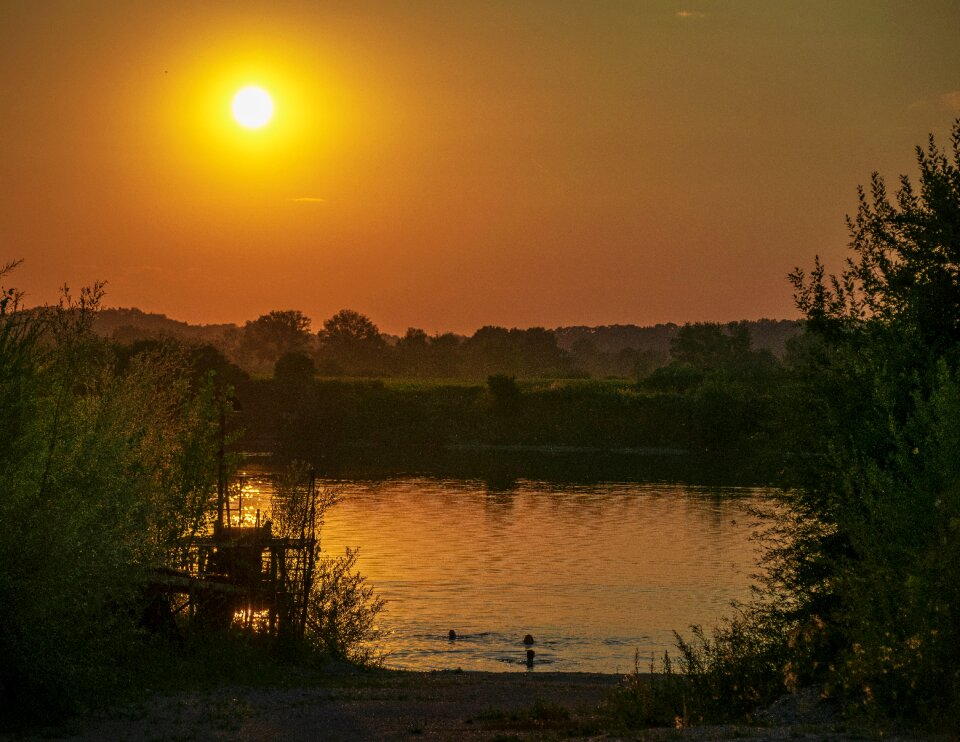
(413, 352)
(489, 351)
(446, 355)
(271, 335)
(539, 353)
(294, 368)
(104, 467)
(497, 350)
(859, 598)
(708, 346)
(352, 341)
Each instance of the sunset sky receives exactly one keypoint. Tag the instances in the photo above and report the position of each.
(447, 164)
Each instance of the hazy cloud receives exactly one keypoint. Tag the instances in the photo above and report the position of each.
(691, 14)
(951, 100)
(143, 270)
(309, 200)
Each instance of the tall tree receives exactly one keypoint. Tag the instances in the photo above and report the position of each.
(270, 336)
(413, 352)
(352, 341)
(877, 511)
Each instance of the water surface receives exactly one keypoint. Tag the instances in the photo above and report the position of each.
(594, 572)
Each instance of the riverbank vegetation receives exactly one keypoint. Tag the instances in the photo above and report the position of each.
(350, 344)
(864, 581)
(716, 398)
(108, 466)
(860, 600)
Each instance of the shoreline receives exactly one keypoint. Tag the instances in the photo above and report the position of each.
(347, 703)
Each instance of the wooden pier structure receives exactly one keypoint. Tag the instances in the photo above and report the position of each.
(245, 575)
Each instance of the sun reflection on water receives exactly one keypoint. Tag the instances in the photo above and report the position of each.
(593, 572)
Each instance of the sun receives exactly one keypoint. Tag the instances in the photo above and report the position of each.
(252, 107)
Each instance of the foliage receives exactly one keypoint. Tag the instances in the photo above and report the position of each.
(719, 677)
(101, 471)
(342, 610)
(651, 699)
(858, 598)
(736, 669)
(708, 345)
(272, 335)
(108, 458)
(673, 377)
(342, 620)
(350, 342)
(506, 394)
(731, 388)
(499, 351)
(347, 327)
(883, 367)
(294, 369)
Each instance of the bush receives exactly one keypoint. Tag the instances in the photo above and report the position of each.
(652, 699)
(342, 620)
(505, 391)
(101, 472)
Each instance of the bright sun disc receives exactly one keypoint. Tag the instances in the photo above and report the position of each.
(252, 107)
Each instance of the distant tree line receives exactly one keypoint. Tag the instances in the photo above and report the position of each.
(350, 344)
(325, 395)
(716, 395)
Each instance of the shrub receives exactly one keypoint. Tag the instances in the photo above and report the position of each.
(101, 472)
(342, 619)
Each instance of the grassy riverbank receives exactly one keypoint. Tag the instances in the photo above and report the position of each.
(349, 424)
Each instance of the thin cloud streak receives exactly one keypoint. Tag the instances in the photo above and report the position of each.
(951, 100)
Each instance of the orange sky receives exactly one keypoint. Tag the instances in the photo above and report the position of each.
(451, 164)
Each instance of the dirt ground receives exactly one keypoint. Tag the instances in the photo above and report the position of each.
(413, 706)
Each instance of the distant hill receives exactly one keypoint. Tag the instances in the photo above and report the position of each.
(129, 325)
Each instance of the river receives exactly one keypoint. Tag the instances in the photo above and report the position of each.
(594, 572)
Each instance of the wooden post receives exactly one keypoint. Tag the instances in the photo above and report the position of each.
(221, 469)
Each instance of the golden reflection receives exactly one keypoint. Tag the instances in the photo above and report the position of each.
(248, 502)
(252, 619)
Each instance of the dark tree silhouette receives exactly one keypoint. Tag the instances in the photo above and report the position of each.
(413, 352)
(446, 356)
(862, 582)
(351, 341)
(294, 368)
(270, 336)
(907, 252)
(707, 346)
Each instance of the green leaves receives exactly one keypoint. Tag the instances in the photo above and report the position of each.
(883, 378)
(102, 471)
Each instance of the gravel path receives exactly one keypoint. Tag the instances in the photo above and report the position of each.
(384, 705)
